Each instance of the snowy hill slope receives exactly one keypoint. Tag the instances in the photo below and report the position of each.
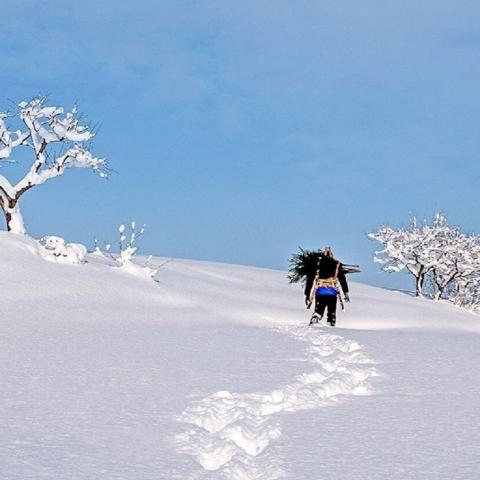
(212, 373)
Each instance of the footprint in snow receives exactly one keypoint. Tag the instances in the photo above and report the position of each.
(230, 433)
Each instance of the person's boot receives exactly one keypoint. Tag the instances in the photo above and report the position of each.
(315, 318)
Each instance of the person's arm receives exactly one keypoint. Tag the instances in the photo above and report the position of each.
(343, 282)
(309, 284)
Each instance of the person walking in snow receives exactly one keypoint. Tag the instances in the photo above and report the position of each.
(325, 286)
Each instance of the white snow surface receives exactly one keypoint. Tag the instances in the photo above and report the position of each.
(212, 373)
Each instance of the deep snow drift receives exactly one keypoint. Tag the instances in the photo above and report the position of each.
(212, 373)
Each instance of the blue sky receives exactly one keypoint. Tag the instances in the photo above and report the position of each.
(240, 130)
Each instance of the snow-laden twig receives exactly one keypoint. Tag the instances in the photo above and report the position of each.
(127, 251)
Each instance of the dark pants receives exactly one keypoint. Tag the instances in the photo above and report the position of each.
(330, 303)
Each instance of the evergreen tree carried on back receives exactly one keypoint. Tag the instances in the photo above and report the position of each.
(324, 280)
(303, 264)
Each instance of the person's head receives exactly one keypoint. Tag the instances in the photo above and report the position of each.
(328, 252)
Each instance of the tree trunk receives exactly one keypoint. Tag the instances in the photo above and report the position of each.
(420, 278)
(418, 288)
(13, 217)
(438, 293)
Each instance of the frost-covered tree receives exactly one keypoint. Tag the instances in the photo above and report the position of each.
(449, 258)
(56, 141)
(465, 290)
(404, 249)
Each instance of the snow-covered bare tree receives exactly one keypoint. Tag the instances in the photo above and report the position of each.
(403, 249)
(449, 258)
(57, 141)
(465, 291)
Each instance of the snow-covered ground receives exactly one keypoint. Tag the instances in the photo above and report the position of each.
(212, 373)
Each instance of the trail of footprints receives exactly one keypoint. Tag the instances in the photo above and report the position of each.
(229, 433)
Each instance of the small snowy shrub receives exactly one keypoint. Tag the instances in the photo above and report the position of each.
(98, 251)
(127, 251)
(55, 249)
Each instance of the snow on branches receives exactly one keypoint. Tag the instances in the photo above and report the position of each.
(127, 251)
(445, 256)
(126, 244)
(57, 141)
(55, 249)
